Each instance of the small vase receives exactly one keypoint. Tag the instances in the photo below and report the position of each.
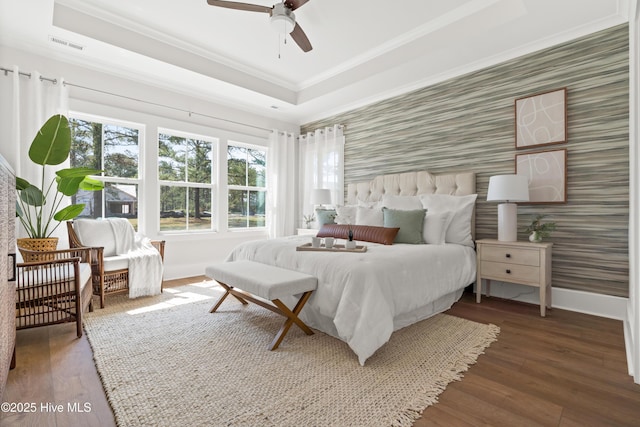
(535, 237)
(350, 244)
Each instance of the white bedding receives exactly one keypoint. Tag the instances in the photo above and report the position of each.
(360, 295)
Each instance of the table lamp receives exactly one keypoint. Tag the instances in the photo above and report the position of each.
(321, 196)
(508, 189)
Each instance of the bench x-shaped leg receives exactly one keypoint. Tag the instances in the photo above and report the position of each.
(292, 317)
(279, 308)
(228, 290)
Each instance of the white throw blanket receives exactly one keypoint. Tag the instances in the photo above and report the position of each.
(145, 263)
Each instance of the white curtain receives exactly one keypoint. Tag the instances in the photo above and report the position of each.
(34, 100)
(281, 185)
(321, 165)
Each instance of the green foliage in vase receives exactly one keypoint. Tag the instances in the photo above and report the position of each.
(543, 230)
(50, 147)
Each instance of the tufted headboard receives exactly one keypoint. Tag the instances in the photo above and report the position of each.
(413, 184)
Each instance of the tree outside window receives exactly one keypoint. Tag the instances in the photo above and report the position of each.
(185, 170)
(247, 186)
(115, 149)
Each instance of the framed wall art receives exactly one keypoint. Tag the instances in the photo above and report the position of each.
(541, 119)
(547, 173)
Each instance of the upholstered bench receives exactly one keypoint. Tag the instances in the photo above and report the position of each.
(246, 279)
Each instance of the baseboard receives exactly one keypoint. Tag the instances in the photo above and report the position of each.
(567, 299)
(629, 345)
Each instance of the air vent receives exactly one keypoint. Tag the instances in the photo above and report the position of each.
(62, 42)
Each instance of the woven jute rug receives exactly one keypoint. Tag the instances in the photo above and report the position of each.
(167, 361)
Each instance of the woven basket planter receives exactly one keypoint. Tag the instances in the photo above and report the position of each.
(40, 245)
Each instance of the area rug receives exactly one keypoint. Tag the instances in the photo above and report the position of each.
(167, 361)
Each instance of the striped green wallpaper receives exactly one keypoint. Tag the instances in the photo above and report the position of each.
(467, 123)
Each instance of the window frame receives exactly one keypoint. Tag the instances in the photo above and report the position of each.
(213, 186)
(264, 189)
(107, 179)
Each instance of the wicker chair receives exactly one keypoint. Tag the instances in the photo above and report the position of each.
(53, 287)
(107, 280)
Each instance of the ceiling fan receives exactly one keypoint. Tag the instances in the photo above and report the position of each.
(282, 17)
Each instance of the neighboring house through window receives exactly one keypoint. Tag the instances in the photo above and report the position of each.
(113, 147)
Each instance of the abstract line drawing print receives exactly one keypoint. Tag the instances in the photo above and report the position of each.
(541, 119)
(547, 173)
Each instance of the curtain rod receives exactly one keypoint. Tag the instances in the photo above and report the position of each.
(66, 83)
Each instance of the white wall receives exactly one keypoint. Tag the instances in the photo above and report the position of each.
(186, 254)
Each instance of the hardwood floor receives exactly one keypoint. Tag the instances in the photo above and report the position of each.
(567, 369)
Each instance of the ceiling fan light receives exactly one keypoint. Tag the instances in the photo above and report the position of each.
(283, 23)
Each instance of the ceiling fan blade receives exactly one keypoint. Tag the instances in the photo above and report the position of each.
(300, 38)
(294, 4)
(240, 6)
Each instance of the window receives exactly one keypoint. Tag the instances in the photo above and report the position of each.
(246, 180)
(186, 171)
(114, 148)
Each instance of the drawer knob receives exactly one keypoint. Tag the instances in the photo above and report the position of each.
(508, 255)
(508, 271)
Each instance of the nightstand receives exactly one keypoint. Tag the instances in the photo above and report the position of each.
(523, 263)
(307, 231)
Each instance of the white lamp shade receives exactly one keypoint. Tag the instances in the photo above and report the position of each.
(321, 196)
(508, 188)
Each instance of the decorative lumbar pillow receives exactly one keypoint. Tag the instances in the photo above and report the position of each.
(325, 216)
(346, 214)
(410, 224)
(459, 230)
(435, 227)
(361, 233)
(401, 202)
(369, 216)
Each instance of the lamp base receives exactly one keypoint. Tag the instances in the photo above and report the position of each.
(507, 222)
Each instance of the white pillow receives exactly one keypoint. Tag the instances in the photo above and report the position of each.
(459, 230)
(435, 227)
(405, 203)
(346, 214)
(369, 204)
(96, 232)
(369, 216)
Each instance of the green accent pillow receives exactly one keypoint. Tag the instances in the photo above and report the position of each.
(325, 216)
(410, 223)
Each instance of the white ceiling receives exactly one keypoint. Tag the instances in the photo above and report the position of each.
(363, 50)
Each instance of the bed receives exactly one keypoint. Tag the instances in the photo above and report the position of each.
(363, 297)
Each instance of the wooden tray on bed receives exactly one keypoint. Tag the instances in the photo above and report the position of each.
(335, 248)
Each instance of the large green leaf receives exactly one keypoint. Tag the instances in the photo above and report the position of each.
(73, 179)
(52, 143)
(76, 172)
(69, 186)
(91, 184)
(32, 196)
(21, 183)
(69, 212)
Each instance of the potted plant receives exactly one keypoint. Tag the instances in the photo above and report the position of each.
(37, 206)
(538, 230)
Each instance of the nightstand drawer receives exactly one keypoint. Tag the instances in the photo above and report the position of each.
(516, 273)
(506, 254)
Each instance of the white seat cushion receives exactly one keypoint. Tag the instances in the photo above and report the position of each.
(116, 262)
(263, 280)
